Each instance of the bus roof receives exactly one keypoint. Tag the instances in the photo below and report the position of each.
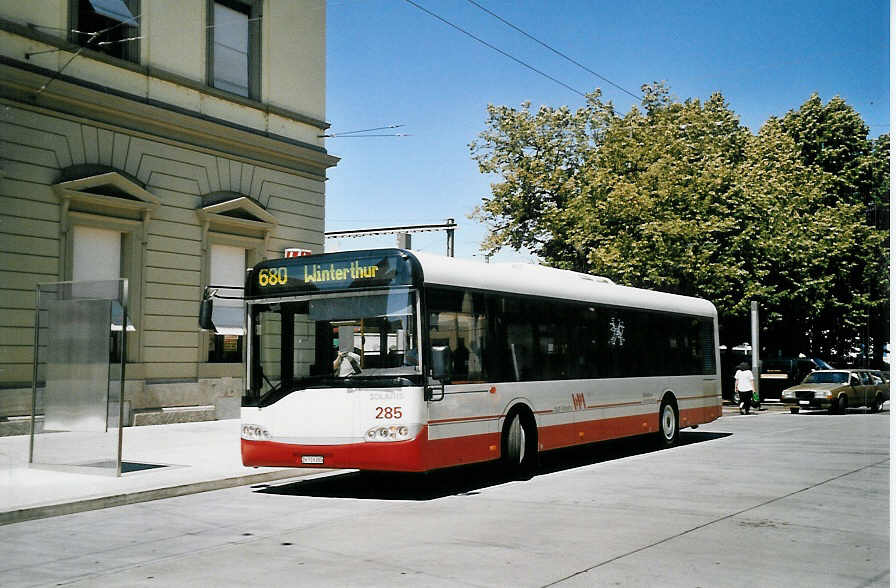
(538, 280)
(377, 268)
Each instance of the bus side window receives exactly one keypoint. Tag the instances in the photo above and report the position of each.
(458, 322)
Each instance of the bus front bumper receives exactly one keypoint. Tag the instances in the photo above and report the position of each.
(396, 456)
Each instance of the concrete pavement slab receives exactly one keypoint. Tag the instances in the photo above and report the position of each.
(196, 457)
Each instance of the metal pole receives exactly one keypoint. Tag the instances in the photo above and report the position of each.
(34, 373)
(404, 240)
(754, 342)
(449, 233)
(124, 360)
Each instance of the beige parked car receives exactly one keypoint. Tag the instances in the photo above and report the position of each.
(838, 390)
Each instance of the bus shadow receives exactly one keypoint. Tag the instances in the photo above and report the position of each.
(467, 480)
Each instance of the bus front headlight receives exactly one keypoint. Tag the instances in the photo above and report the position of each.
(392, 433)
(255, 433)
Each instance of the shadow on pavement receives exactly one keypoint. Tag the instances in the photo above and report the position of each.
(849, 411)
(467, 480)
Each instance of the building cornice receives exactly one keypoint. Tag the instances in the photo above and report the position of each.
(21, 82)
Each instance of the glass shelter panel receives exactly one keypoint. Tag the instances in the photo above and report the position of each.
(78, 375)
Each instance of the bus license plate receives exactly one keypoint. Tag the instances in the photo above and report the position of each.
(313, 459)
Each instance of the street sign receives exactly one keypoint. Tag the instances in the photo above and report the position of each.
(296, 252)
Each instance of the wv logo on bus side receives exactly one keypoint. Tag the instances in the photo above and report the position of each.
(617, 333)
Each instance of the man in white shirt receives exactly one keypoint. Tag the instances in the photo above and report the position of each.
(743, 385)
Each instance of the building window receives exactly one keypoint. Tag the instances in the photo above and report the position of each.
(227, 274)
(96, 256)
(103, 220)
(108, 26)
(235, 231)
(234, 46)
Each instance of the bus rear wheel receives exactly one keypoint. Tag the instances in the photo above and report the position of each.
(668, 422)
(519, 446)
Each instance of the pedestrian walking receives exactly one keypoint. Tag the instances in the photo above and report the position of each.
(743, 386)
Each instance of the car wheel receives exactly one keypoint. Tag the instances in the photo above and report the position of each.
(794, 410)
(877, 403)
(839, 405)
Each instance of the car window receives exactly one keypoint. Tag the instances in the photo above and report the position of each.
(876, 380)
(827, 378)
(865, 377)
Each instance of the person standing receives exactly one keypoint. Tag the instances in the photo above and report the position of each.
(743, 385)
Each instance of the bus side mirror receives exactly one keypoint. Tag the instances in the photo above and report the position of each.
(440, 371)
(441, 362)
(205, 314)
(434, 389)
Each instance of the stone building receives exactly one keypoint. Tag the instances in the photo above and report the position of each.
(169, 143)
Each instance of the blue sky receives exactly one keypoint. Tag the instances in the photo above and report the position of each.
(390, 63)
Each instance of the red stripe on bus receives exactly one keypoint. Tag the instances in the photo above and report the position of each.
(697, 416)
(453, 451)
(423, 454)
(465, 419)
(590, 406)
(567, 434)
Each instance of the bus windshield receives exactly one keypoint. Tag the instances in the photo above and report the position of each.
(356, 340)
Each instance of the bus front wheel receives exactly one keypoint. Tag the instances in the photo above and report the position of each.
(668, 422)
(519, 446)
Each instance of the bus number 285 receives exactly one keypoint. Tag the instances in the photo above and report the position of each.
(388, 412)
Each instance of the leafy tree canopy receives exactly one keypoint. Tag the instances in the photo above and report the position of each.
(680, 197)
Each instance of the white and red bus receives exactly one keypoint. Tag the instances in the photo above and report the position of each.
(402, 361)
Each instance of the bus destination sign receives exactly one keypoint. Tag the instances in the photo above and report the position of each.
(329, 272)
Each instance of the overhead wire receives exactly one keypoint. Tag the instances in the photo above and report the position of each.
(93, 36)
(494, 48)
(364, 133)
(548, 47)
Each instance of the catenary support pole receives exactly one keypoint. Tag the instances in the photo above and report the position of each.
(450, 237)
(754, 342)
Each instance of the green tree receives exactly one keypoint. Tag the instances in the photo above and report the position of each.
(834, 138)
(678, 196)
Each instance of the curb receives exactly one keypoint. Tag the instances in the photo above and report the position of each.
(55, 510)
